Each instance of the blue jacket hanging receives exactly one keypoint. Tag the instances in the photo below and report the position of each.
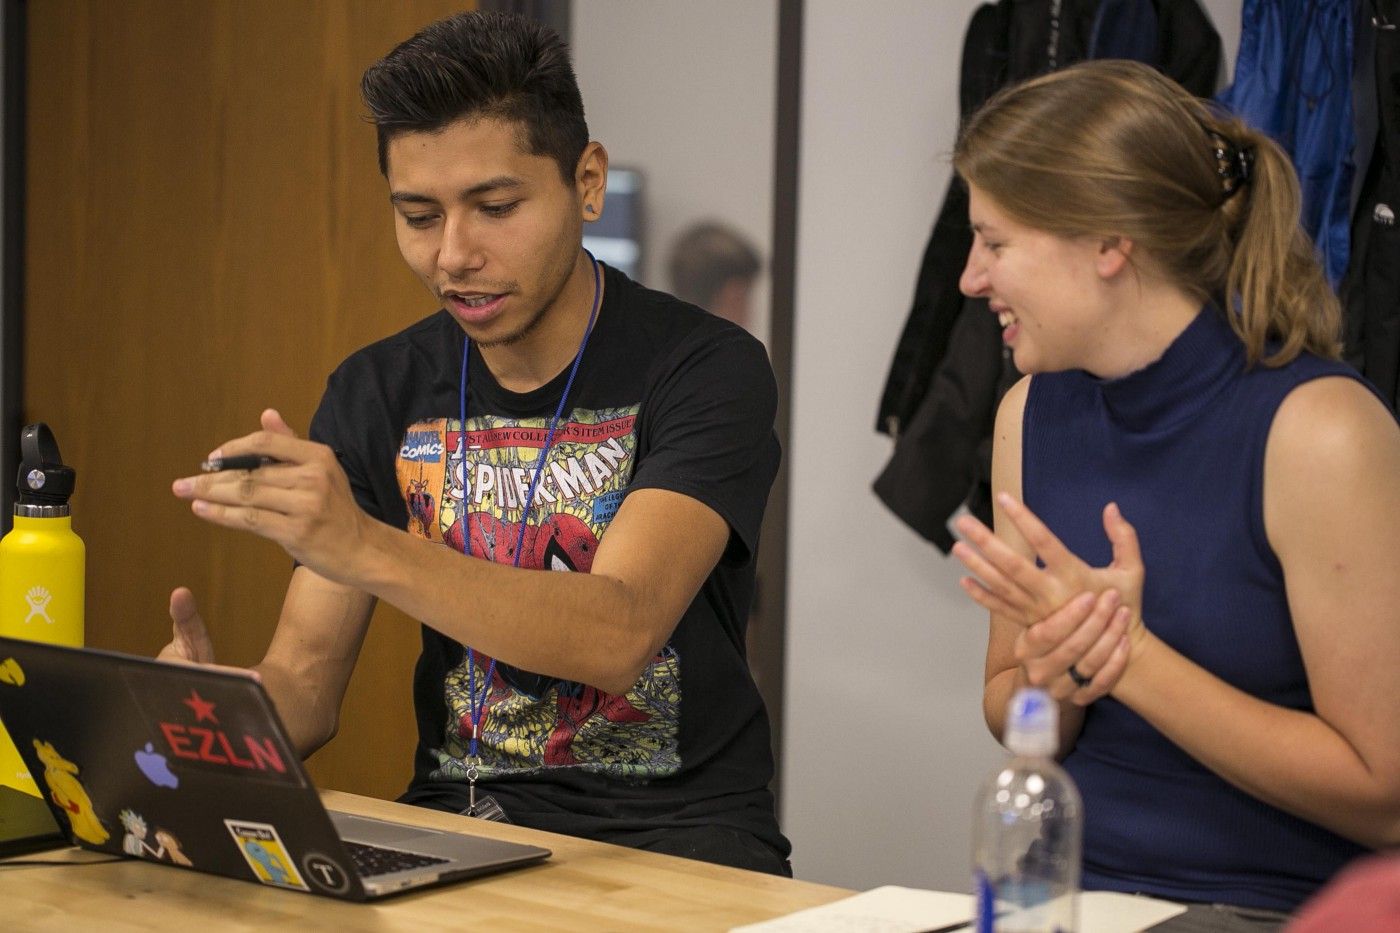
(1293, 81)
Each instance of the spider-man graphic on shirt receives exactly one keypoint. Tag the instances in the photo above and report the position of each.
(473, 485)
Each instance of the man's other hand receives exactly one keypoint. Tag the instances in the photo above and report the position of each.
(189, 638)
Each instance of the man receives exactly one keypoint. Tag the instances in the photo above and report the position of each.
(715, 267)
(613, 702)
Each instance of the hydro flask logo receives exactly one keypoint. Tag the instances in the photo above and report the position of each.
(38, 599)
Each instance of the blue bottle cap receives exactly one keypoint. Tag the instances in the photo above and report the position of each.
(1032, 723)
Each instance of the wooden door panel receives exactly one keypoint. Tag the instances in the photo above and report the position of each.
(207, 235)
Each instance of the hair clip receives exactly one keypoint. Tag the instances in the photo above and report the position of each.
(1234, 164)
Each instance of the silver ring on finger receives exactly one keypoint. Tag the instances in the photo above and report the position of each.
(1079, 679)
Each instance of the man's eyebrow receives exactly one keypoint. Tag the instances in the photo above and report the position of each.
(488, 186)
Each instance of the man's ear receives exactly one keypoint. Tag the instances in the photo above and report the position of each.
(591, 180)
(1114, 255)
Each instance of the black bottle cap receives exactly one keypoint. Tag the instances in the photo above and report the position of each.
(43, 478)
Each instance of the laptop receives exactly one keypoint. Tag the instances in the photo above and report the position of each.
(190, 766)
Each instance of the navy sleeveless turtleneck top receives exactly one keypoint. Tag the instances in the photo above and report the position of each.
(1179, 446)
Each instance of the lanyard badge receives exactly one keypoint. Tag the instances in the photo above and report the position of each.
(486, 807)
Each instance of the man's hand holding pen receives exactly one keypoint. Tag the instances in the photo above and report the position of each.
(284, 488)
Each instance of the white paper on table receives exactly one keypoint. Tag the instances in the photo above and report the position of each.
(1111, 912)
(890, 909)
(893, 909)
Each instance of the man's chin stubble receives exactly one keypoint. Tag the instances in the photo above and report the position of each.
(517, 336)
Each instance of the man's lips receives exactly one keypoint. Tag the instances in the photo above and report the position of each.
(473, 307)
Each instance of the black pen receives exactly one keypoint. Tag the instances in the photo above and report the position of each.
(240, 462)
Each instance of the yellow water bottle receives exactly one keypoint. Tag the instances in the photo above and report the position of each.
(41, 568)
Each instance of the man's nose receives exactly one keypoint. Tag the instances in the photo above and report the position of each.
(461, 250)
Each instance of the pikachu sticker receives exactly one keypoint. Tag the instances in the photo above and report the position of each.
(61, 775)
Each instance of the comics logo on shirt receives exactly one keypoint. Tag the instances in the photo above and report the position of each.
(471, 487)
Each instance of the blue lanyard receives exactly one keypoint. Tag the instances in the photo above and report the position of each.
(476, 701)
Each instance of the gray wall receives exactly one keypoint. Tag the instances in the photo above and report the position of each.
(884, 741)
(685, 92)
(1226, 15)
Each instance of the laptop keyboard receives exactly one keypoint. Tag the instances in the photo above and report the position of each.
(380, 860)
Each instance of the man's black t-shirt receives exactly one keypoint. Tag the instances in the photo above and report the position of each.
(668, 397)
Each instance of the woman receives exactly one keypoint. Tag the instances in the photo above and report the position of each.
(1230, 693)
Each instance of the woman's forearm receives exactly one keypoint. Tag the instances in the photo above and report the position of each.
(1287, 758)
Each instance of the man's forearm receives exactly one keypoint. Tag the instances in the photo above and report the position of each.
(599, 628)
(576, 626)
(310, 718)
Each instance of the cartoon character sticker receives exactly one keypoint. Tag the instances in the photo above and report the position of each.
(167, 847)
(67, 792)
(264, 852)
(134, 842)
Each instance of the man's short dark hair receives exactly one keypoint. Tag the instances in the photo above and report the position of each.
(475, 65)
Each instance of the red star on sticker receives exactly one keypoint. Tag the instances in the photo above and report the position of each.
(203, 709)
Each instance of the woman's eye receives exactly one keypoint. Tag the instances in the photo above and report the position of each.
(418, 220)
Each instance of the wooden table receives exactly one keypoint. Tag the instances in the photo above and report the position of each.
(584, 886)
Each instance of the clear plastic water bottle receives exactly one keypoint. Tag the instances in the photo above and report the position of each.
(1028, 829)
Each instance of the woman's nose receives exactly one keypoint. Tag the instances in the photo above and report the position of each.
(973, 282)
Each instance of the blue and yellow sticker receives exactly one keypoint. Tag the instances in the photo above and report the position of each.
(262, 848)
